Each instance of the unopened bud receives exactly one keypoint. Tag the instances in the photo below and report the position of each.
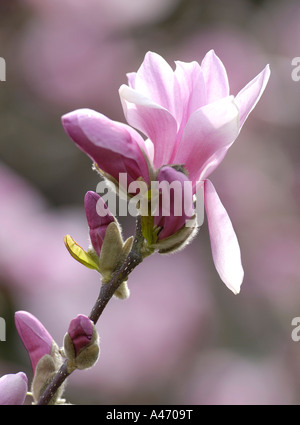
(114, 251)
(42, 349)
(98, 218)
(81, 343)
(174, 221)
(13, 389)
(35, 337)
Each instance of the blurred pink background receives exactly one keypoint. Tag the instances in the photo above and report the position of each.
(182, 337)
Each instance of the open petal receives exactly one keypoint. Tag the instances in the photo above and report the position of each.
(209, 130)
(248, 97)
(191, 85)
(113, 146)
(131, 76)
(215, 77)
(191, 94)
(155, 79)
(224, 244)
(153, 120)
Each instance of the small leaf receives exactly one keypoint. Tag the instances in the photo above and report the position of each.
(79, 254)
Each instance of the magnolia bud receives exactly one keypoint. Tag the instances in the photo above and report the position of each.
(114, 251)
(173, 223)
(178, 240)
(81, 343)
(42, 349)
(98, 218)
(35, 337)
(13, 389)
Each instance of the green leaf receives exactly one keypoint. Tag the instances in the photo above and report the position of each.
(79, 254)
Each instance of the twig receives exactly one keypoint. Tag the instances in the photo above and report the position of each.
(134, 258)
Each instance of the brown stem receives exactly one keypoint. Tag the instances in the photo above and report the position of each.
(134, 258)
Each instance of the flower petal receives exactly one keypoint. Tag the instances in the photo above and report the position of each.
(224, 244)
(248, 97)
(80, 331)
(155, 79)
(13, 389)
(36, 339)
(209, 130)
(191, 94)
(98, 218)
(153, 120)
(215, 77)
(113, 146)
(191, 85)
(176, 203)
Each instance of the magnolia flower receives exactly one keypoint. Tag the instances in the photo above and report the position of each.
(190, 120)
(13, 389)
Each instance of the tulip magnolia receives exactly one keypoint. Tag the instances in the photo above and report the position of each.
(190, 120)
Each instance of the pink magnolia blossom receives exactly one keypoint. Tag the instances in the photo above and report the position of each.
(36, 339)
(189, 118)
(13, 388)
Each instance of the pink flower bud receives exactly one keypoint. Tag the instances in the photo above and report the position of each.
(98, 217)
(13, 388)
(36, 339)
(81, 332)
(175, 203)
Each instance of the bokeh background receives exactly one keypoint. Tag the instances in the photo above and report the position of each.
(182, 337)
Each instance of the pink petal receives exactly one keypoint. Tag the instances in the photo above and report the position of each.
(95, 208)
(224, 244)
(13, 389)
(215, 77)
(151, 119)
(174, 216)
(155, 79)
(209, 130)
(191, 93)
(114, 146)
(131, 76)
(80, 331)
(248, 97)
(36, 339)
(191, 85)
